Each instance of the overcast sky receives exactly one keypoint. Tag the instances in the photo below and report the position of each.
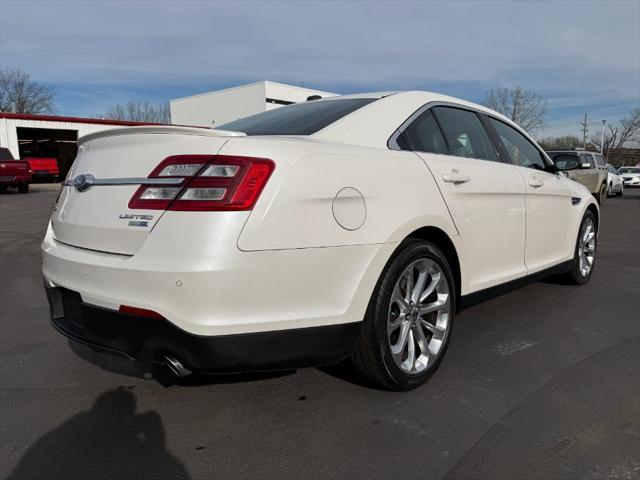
(582, 56)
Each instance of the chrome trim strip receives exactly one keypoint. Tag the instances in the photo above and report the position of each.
(128, 181)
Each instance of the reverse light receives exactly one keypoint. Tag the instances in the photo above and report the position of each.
(206, 183)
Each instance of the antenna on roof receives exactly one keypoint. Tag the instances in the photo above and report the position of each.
(313, 97)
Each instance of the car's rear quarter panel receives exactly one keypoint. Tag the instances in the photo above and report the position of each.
(298, 207)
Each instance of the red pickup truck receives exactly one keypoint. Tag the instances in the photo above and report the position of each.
(43, 168)
(13, 173)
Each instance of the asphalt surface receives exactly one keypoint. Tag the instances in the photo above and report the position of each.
(541, 383)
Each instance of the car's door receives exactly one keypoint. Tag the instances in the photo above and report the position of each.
(549, 233)
(484, 195)
(587, 174)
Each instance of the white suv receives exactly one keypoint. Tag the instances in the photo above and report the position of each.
(353, 226)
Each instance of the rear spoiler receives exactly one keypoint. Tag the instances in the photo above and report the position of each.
(166, 129)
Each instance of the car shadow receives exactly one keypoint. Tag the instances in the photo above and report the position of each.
(110, 440)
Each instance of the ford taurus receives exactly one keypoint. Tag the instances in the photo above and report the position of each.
(347, 227)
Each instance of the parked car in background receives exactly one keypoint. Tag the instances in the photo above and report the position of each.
(630, 176)
(615, 185)
(44, 169)
(591, 172)
(353, 226)
(13, 173)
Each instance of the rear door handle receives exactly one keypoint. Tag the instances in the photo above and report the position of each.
(535, 183)
(456, 177)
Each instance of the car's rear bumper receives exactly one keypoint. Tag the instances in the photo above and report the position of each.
(14, 179)
(150, 339)
(203, 284)
(45, 175)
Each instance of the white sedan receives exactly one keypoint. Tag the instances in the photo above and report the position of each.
(353, 226)
(630, 176)
(615, 183)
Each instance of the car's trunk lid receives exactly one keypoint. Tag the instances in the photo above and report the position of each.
(98, 217)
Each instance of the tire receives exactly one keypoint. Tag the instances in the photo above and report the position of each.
(390, 318)
(602, 194)
(23, 188)
(3, 188)
(610, 190)
(577, 274)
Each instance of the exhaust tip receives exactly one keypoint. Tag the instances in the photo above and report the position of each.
(176, 366)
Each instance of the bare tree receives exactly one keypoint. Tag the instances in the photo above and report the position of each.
(620, 136)
(141, 112)
(565, 142)
(525, 107)
(19, 94)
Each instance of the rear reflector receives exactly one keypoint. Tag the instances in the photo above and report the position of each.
(139, 312)
(209, 183)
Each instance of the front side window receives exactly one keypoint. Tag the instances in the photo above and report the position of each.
(520, 150)
(464, 133)
(304, 118)
(423, 135)
(565, 161)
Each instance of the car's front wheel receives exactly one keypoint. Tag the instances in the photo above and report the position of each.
(584, 258)
(407, 326)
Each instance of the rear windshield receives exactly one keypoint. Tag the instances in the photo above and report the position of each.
(5, 154)
(297, 119)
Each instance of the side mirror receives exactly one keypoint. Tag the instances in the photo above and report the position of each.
(567, 164)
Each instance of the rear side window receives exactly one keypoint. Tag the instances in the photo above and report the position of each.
(600, 160)
(465, 133)
(423, 135)
(520, 150)
(298, 119)
(5, 154)
(587, 159)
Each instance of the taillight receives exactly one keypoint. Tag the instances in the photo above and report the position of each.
(204, 183)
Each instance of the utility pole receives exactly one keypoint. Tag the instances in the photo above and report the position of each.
(602, 141)
(585, 129)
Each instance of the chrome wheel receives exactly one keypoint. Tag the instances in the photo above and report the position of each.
(586, 247)
(419, 313)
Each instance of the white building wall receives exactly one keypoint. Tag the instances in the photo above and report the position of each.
(222, 106)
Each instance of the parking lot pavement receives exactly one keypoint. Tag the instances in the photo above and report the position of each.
(541, 383)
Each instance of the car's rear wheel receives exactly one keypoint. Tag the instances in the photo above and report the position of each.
(3, 188)
(407, 326)
(602, 195)
(23, 188)
(584, 258)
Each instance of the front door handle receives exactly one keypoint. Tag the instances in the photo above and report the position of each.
(535, 183)
(455, 177)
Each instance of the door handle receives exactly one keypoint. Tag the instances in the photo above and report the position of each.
(455, 177)
(535, 183)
